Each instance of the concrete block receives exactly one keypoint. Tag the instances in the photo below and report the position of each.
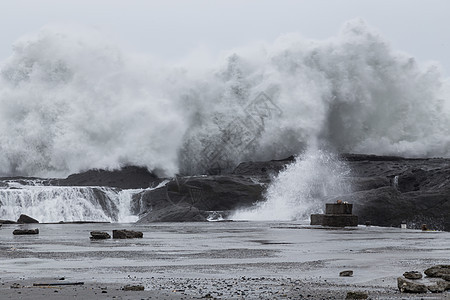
(316, 219)
(338, 209)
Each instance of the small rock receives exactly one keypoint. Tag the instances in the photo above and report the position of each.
(25, 231)
(412, 275)
(99, 235)
(24, 219)
(439, 287)
(133, 288)
(126, 234)
(357, 295)
(346, 273)
(438, 271)
(15, 286)
(406, 286)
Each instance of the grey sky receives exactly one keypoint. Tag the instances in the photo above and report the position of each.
(170, 29)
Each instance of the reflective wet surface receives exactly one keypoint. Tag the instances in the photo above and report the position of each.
(222, 250)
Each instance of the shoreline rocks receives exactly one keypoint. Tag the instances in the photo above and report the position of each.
(407, 286)
(99, 235)
(410, 283)
(412, 275)
(24, 219)
(25, 231)
(439, 271)
(346, 273)
(126, 234)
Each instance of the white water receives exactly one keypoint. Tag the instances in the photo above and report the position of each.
(301, 189)
(54, 204)
(71, 101)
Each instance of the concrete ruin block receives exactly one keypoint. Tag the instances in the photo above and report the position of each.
(340, 220)
(316, 219)
(337, 215)
(338, 209)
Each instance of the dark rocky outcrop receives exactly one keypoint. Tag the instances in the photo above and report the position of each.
(25, 231)
(391, 189)
(126, 178)
(386, 190)
(7, 222)
(24, 219)
(192, 198)
(127, 234)
(99, 235)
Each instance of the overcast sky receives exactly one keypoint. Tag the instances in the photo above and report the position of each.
(170, 29)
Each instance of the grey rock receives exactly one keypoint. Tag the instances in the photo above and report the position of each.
(438, 271)
(126, 234)
(133, 288)
(439, 287)
(99, 235)
(24, 219)
(25, 231)
(406, 286)
(357, 295)
(412, 275)
(346, 273)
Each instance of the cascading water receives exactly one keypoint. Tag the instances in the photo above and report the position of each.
(54, 204)
(302, 188)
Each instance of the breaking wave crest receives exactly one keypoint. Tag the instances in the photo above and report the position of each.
(71, 101)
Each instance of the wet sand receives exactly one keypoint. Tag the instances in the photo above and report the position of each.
(225, 260)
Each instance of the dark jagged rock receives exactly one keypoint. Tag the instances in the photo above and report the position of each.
(25, 231)
(191, 198)
(24, 219)
(99, 235)
(127, 234)
(126, 178)
(386, 189)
